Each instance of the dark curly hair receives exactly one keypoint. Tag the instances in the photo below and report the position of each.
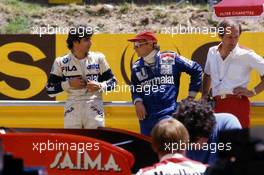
(197, 117)
(77, 33)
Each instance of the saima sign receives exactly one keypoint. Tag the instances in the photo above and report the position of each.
(64, 154)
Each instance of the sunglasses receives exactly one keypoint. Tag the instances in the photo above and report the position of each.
(138, 44)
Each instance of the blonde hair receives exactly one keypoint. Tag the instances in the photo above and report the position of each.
(168, 131)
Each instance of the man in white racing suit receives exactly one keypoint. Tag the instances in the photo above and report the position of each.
(84, 75)
(169, 140)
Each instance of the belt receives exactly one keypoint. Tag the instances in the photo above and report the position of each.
(221, 97)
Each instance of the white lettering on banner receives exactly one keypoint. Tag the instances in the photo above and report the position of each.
(225, 13)
(238, 13)
(111, 164)
(84, 162)
(246, 13)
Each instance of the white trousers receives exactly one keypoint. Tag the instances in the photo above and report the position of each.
(84, 114)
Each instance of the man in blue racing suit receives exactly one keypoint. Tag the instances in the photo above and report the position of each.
(155, 80)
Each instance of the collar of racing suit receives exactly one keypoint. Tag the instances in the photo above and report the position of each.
(150, 58)
(76, 59)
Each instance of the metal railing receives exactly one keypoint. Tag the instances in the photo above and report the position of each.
(62, 103)
(55, 103)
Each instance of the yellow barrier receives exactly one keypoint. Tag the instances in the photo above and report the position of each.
(52, 117)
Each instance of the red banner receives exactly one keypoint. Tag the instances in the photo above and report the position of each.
(64, 154)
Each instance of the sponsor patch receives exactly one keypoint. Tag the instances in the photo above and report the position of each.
(92, 77)
(99, 112)
(142, 75)
(68, 110)
(93, 66)
(167, 58)
(165, 69)
(65, 60)
(168, 54)
(69, 69)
